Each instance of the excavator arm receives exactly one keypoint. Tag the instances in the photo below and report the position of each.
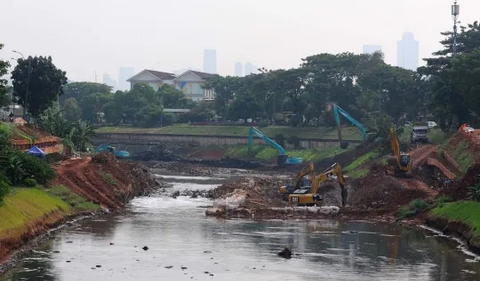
(310, 169)
(395, 145)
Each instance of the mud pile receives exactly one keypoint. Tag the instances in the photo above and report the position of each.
(459, 189)
(379, 191)
(105, 180)
(261, 198)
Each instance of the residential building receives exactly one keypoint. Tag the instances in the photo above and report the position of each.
(248, 68)
(210, 61)
(370, 49)
(155, 79)
(123, 76)
(181, 71)
(408, 52)
(238, 69)
(191, 82)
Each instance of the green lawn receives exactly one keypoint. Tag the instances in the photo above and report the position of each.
(374, 154)
(267, 153)
(349, 133)
(74, 200)
(24, 206)
(465, 211)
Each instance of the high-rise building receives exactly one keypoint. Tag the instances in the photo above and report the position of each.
(238, 69)
(407, 52)
(210, 61)
(248, 68)
(370, 49)
(125, 74)
(109, 81)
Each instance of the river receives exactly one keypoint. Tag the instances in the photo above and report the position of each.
(184, 244)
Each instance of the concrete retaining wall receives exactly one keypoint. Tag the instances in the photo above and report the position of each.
(203, 140)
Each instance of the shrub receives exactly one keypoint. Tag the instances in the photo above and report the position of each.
(30, 182)
(280, 139)
(264, 123)
(4, 187)
(294, 140)
(36, 168)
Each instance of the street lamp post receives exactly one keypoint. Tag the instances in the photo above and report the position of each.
(28, 82)
(455, 14)
(225, 104)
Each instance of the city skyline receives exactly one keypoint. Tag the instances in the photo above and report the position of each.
(210, 61)
(220, 25)
(238, 69)
(408, 51)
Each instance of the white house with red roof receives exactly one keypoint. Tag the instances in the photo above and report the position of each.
(190, 82)
(155, 79)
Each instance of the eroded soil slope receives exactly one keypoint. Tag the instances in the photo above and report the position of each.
(105, 180)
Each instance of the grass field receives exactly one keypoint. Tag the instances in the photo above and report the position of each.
(465, 211)
(25, 206)
(267, 153)
(77, 202)
(349, 133)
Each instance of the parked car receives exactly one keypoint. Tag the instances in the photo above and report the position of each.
(431, 124)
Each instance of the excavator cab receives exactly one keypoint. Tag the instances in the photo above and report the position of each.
(405, 160)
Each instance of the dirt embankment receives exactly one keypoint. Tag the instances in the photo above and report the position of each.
(457, 229)
(105, 180)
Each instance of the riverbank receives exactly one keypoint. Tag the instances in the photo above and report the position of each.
(83, 186)
(239, 131)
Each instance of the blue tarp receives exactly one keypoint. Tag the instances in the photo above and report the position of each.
(35, 151)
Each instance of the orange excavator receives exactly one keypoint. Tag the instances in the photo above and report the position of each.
(400, 164)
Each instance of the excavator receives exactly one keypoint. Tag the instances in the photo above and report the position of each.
(400, 164)
(308, 196)
(300, 181)
(337, 111)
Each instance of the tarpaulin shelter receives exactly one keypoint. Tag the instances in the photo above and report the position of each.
(35, 151)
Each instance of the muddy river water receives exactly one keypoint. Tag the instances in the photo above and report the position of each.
(183, 244)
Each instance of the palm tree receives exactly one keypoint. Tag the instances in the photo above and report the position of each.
(82, 135)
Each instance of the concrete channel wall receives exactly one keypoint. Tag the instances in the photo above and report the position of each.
(202, 140)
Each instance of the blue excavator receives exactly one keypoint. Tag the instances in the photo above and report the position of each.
(283, 158)
(337, 111)
(112, 149)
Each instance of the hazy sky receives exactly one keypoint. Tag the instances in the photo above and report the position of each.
(85, 36)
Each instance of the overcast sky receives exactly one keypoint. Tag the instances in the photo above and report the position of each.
(85, 36)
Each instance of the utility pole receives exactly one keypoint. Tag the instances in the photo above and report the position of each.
(225, 104)
(455, 15)
(28, 82)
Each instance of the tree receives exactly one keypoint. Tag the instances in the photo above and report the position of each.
(82, 135)
(72, 111)
(172, 98)
(465, 73)
(4, 89)
(92, 104)
(447, 102)
(44, 86)
(78, 90)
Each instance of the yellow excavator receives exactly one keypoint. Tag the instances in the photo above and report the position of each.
(309, 196)
(300, 181)
(399, 163)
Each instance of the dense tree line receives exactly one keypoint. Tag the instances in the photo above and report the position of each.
(453, 80)
(362, 84)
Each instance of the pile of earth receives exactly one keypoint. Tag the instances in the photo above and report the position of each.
(459, 189)
(260, 193)
(105, 180)
(380, 191)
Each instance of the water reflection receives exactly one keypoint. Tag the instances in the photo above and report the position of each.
(178, 234)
